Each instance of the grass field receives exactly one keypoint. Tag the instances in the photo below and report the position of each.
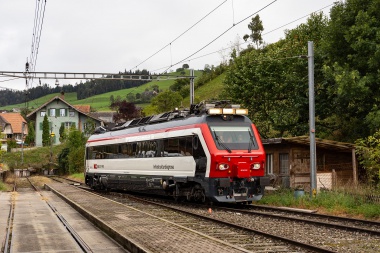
(101, 102)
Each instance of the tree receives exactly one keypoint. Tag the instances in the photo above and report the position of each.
(179, 83)
(352, 67)
(130, 97)
(30, 138)
(272, 83)
(125, 111)
(185, 66)
(45, 132)
(368, 150)
(256, 27)
(62, 133)
(76, 144)
(90, 127)
(166, 101)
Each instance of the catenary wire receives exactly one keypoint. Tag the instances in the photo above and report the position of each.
(39, 37)
(36, 34)
(169, 44)
(266, 6)
(34, 29)
(220, 50)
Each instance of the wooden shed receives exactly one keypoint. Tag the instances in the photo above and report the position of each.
(288, 162)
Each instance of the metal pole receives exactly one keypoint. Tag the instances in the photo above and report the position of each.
(313, 171)
(51, 150)
(22, 143)
(191, 86)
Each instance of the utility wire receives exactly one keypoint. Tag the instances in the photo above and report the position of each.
(180, 34)
(220, 50)
(298, 19)
(222, 34)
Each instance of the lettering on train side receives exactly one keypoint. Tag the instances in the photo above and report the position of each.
(163, 167)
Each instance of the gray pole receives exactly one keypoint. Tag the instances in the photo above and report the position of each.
(22, 143)
(191, 86)
(313, 171)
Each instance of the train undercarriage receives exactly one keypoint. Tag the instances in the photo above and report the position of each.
(198, 190)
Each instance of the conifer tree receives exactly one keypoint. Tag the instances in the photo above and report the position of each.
(45, 132)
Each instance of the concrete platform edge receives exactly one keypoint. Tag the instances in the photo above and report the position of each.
(127, 243)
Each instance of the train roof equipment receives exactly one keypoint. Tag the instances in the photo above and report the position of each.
(223, 108)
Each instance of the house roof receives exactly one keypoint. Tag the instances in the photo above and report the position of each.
(104, 116)
(305, 140)
(76, 108)
(83, 108)
(15, 120)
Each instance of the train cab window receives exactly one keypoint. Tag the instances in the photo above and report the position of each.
(234, 137)
(199, 155)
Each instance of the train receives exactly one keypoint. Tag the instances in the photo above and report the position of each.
(209, 152)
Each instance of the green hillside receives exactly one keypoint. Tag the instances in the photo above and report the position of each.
(210, 90)
(101, 102)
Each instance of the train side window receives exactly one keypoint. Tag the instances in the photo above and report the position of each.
(171, 147)
(159, 148)
(89, 153)
(182, 145)
(151, 149)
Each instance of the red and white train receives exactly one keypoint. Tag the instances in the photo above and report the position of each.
(212, 151)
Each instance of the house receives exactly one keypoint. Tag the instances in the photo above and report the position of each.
(13, 127)
(61, 113)
(288, 162)
(106, 117)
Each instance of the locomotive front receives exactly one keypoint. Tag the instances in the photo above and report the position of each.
(237, 167)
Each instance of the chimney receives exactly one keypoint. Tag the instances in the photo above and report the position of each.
(62, 95)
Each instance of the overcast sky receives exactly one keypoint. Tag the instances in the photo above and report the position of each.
(110, 36)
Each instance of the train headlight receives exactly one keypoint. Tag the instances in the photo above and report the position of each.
(228, 111)
(215, 111)
(223, 166)
(241, 111)
(255, 166)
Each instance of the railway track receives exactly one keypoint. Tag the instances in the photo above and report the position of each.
(12, 241)
(345, 223)
(6, 244)
(306, 231)
(228, 234)
(330, 233)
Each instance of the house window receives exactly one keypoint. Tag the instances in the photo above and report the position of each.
(42, 113)
(62, 112)
(88, 126)
(269, 164)
(52, 112)
(284, 164)
(69, 124)
(71, 114)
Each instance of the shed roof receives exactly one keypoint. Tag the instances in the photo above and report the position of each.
(305, 140)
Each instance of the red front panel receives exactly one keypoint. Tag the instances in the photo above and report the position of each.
(240, 163)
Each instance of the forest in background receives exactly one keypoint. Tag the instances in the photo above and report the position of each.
(83, 90)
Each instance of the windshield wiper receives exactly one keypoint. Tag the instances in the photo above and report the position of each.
(250, 141)
(220, 142)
